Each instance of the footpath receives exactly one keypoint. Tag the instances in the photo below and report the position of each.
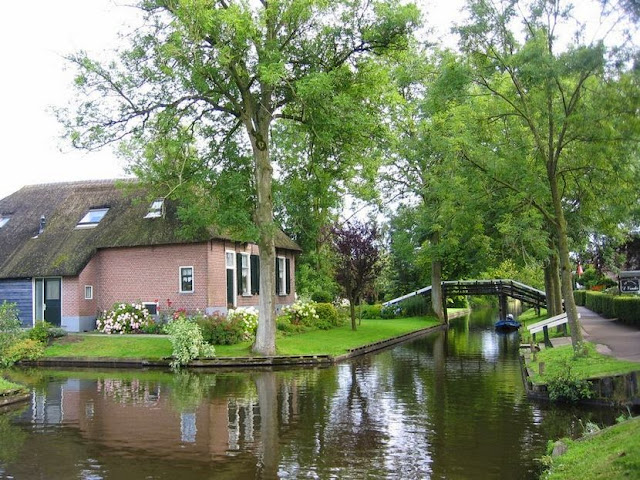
(610, 336)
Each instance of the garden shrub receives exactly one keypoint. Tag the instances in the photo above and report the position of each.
(188, 344)
(321, 297)
(608, 306)
(301, 313)
(217, 329)
(327, 316)
(579, 297)
(283, 324)
(415, 306)
(124, 318)
(10, 327)
(391, 311)
(43, 331)
(594, 300)
(371, 311)
(248, 318)
(566, 387)
(24, 349)
(627, 309)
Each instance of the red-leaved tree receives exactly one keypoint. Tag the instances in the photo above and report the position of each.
(358, 260)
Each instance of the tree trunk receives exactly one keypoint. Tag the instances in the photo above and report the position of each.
(265, 343)
(555, 283)
(565, 262)
(548, 287)
(436, 281)
(352, 310)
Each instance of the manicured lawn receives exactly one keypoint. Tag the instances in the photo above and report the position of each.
(6, 386)
(611, 453)
(592, 365)
(333, 342)
(113, 346)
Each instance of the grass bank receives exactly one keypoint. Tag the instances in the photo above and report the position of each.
(592, 365)
(336, 341)
(7, 387)
(611, 453)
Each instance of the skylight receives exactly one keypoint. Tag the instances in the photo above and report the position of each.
(155, 210)
(3, 221)
(92, 217)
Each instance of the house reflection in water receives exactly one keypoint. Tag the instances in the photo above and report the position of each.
(133, 417)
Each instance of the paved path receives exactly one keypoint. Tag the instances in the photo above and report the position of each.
(612, 337)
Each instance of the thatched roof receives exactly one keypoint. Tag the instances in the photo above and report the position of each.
(64, 250)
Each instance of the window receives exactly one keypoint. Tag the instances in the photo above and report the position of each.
(3, 221)
(156, 208)
(88, 292)
(152, 307)
(280, 276)
(245, 274)
(186, 279)
(92, 217)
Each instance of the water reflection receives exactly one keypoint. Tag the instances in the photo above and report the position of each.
(448, 405)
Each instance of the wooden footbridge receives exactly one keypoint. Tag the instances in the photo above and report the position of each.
(502, 288)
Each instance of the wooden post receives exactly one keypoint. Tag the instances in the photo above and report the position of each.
(547, 342)
(502, 300)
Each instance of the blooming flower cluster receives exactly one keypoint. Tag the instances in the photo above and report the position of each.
(124, 318)
(249, 318)
(301, 312)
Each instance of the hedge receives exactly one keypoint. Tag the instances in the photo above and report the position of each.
(625, 308)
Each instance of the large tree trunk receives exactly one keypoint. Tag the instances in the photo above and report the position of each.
(352, 311)
(565, 262)
(555, 283)
(436, 281)
(265, 343)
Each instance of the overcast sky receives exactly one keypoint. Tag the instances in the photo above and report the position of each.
(34, 36)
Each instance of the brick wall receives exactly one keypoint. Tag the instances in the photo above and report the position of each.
(148, 274)
(73, 302)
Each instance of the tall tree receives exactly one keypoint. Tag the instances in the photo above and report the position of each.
(552, 124)
(214, 69)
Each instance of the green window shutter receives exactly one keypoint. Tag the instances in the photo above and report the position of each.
(255, 275)
(288, 275)
(277, 277)
(239, 273)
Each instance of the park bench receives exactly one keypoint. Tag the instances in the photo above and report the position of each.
(544, 325)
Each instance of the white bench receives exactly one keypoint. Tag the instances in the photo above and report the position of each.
(544, 325)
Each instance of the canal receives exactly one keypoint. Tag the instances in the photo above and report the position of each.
(449, 405)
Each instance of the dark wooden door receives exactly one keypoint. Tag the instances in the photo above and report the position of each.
(52, 301)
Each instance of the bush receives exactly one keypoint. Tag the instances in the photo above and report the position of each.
(415, 306)
(10, 326)
(124, 318)
(390, 311)
(188, 344)
(248, 318)
(219, 330)
(567, 387)
(579, 297)
(43, 332)
(327, 316)
(283, 324)
(371, 311)
(301, 313)
(627, 309)
(25, 349)
(594, 300)
(321, 297)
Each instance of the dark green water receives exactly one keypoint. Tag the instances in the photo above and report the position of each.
(449, 405)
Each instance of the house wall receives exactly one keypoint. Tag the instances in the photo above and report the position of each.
(150, 274)
(19, 291)
(78, 313)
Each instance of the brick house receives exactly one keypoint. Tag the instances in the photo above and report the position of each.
(69, 251)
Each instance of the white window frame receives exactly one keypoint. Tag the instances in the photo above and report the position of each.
(155, 209)
(88, 288)
(245, 269)
(144, 304)
(230, 264)
(180, 275)
(282, 278)
(85, 221)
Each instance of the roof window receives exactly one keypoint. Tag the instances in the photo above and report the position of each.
(92, 217)
(3, 221)
(156, 209)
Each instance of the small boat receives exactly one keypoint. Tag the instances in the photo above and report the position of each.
(507, 324)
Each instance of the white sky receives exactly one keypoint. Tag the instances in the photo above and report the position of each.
(34, 36)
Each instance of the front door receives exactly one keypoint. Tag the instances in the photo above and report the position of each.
(48, 300)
